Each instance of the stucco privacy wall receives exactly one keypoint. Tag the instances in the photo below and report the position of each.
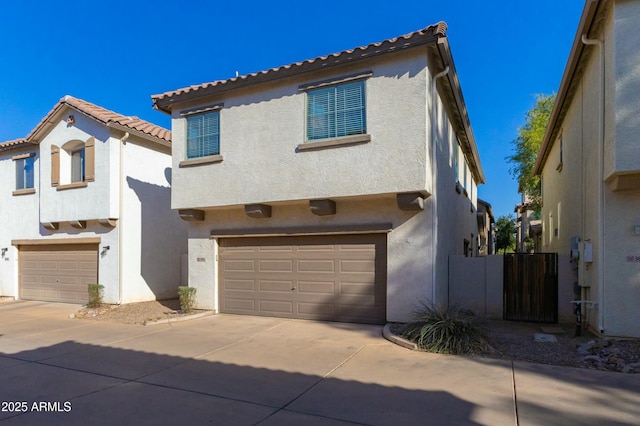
(477, 283)
(154, 236)
(261, 127)
(409, 275)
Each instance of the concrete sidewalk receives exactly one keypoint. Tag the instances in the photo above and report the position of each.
(237, 370)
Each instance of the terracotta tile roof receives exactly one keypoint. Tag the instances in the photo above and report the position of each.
(13, 144)
(107, 117)
(423, 36)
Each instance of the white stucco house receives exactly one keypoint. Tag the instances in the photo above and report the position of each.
(86, 199)
(589, 162)
(333, 188)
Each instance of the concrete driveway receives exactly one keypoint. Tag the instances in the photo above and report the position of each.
(240, 370)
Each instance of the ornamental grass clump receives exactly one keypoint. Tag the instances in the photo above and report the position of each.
(452, 330)
(96, 292)
(187, 297)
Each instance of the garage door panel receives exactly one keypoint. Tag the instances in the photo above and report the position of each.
(316, 265)
(357, 266)
(314, 277)
(239, 265)
(323, 311)
(350, 288)
(274, 249)
(241, 285)
(316, 247)
(275, 286)
(317, 287)
(58, 273)
(276, 307)
(275, 266)
(239, 305)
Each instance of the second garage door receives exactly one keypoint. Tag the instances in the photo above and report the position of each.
(58, 273)
(335, 278)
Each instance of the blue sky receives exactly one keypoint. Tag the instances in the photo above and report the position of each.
(118, 53)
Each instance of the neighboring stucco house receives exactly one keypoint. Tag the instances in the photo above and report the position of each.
(326, 189)
(590, 167)
(486, 229)
(86, 199)
(525, 219)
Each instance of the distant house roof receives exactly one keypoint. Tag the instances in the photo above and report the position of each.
(487, 207)
(109, 118)
(570, 79)
(434, 35)
(15, 143)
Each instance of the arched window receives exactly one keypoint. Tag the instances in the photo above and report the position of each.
(73, 163)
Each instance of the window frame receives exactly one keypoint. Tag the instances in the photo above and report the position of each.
(335, 139)
(194, 114)
(77, 164)
(62, 159)
(25, 179)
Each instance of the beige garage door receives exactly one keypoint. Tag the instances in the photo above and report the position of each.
(334, 278)
(58, 273)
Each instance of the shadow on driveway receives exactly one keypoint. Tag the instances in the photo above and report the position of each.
(106, 385)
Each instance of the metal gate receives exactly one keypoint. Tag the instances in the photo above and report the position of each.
(531, 287)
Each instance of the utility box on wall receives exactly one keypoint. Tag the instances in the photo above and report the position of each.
(587, 252)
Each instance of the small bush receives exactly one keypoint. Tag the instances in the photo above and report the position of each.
(187, 297)
(96, 292)
(447, 330)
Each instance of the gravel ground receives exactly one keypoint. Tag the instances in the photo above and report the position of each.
(515, 341)
(508, 340)
(135, 313)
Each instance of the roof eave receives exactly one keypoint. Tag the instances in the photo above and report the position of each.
(165, 103)
(14, 144)
(131, 131)
(586, 20)
(460, 106)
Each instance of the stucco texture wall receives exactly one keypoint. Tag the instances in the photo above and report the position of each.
(153, 236)
(625, 70)
(261, 129)
(19, 218)
(578, 198)
(90, 202)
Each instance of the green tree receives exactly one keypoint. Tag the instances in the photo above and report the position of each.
(526, 146)
(505, 233)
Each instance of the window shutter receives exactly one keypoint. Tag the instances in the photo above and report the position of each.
(89, 160)
(55, 165)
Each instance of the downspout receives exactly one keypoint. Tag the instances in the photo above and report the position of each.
(434, 175)
(123, 140)
(601, 206)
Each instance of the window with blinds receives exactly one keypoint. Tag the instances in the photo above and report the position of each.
(203, 134)
(336, 111)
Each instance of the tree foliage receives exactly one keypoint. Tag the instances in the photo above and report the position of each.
(526, 146)
(505, 233)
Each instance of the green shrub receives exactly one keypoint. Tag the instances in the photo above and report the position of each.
(447, 330)
(187, 297)
(96, 291)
